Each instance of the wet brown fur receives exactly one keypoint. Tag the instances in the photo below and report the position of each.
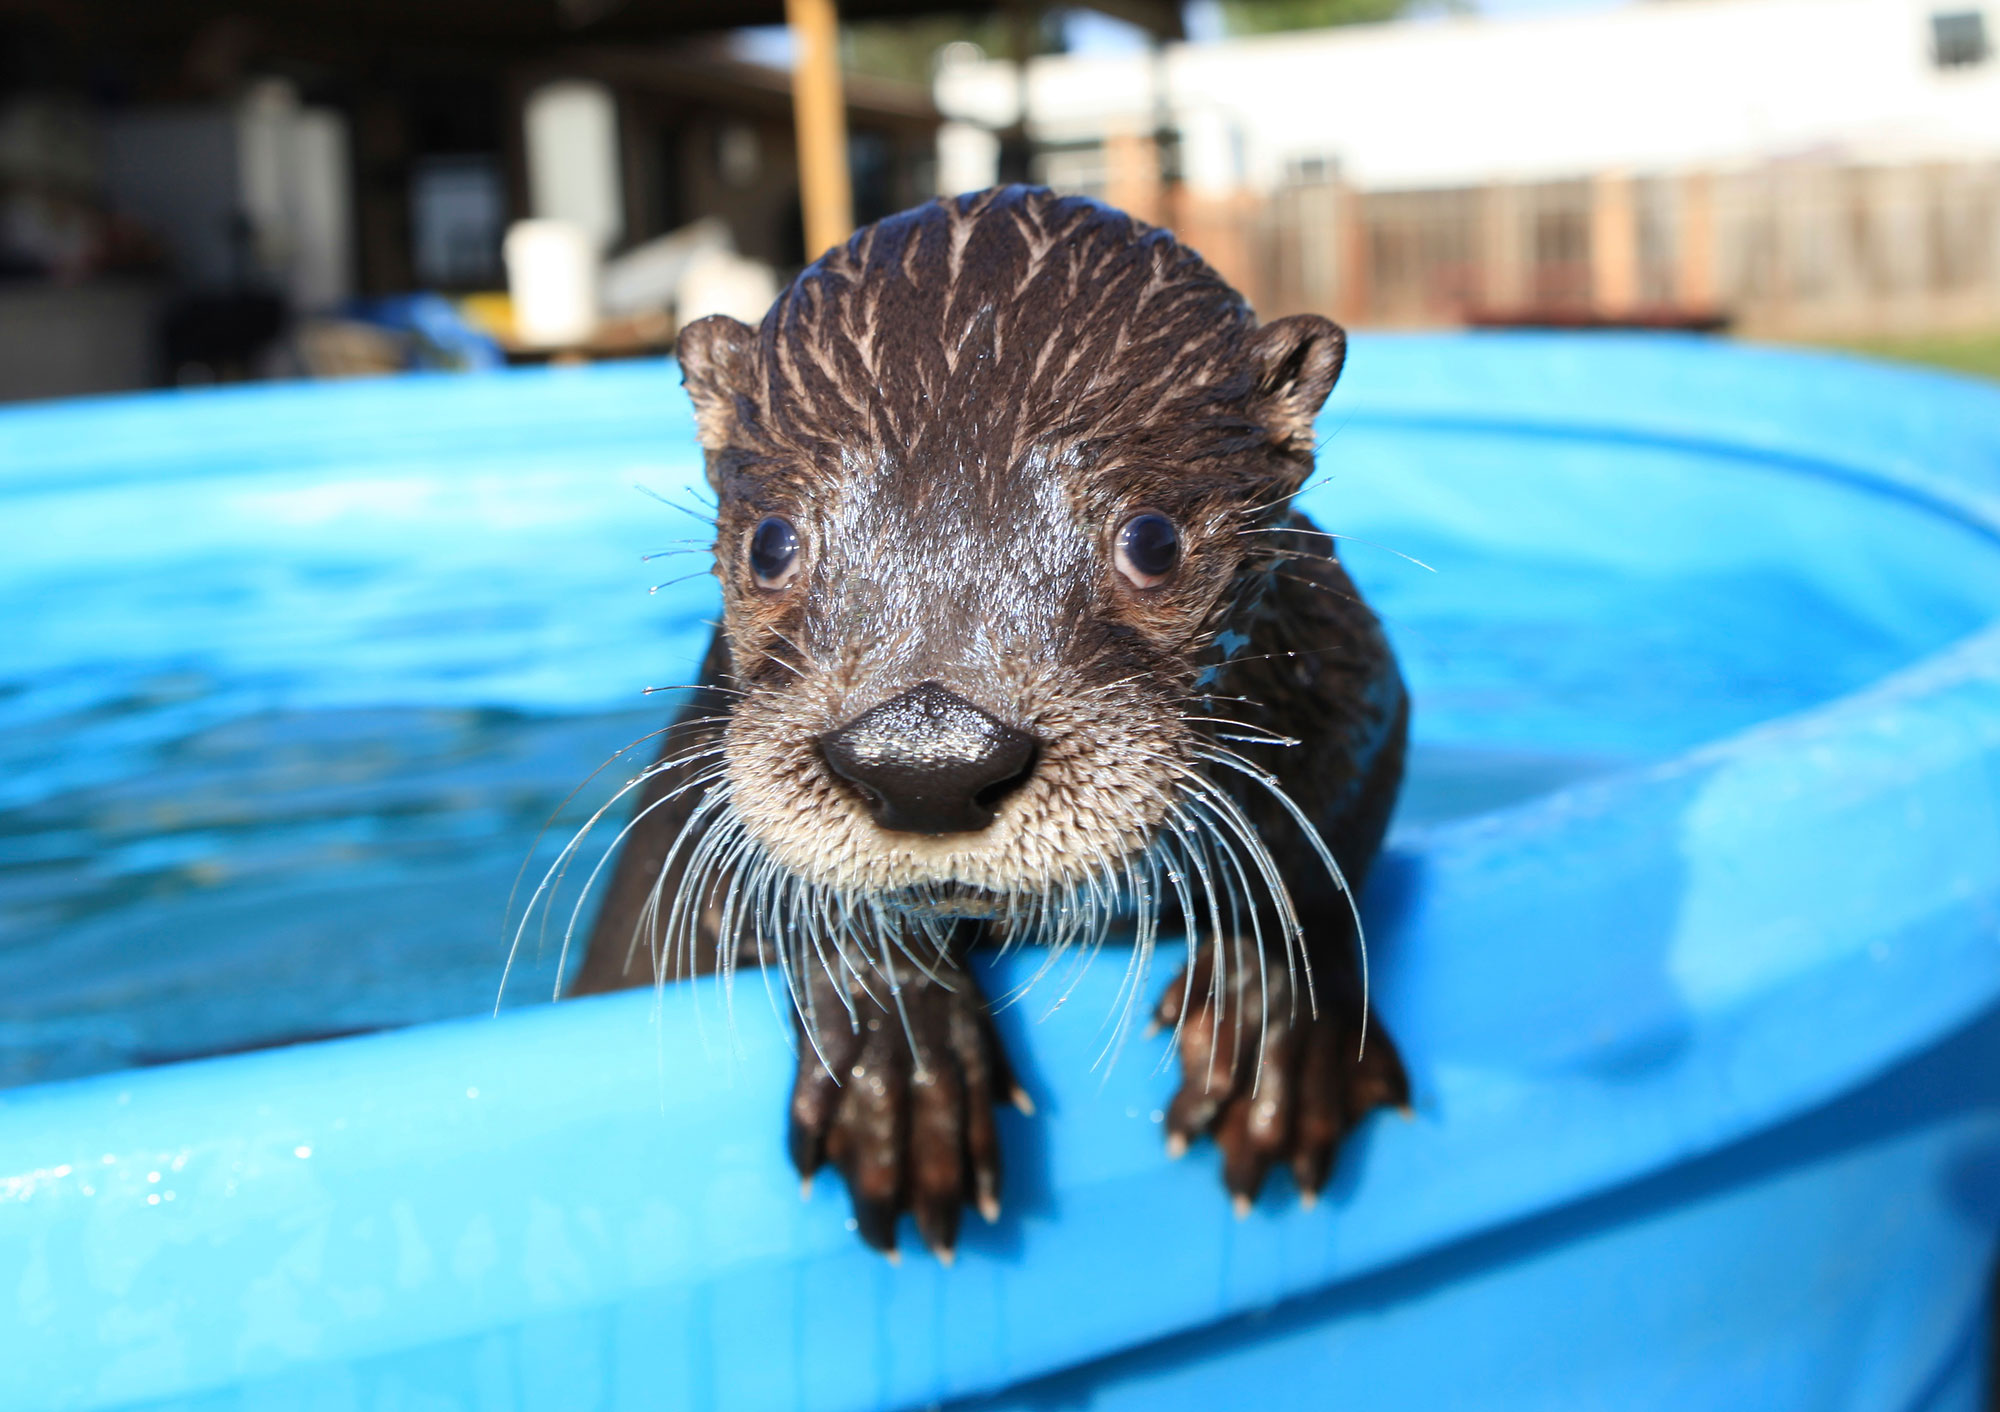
(958, 408)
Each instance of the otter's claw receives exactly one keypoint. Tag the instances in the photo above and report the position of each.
(904, 1113)
(1269, 1080)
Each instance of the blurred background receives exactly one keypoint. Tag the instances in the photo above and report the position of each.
(194, 191)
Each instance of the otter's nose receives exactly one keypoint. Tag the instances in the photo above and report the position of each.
(929, 761)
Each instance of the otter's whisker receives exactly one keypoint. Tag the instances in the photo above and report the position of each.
(779, 661)
(583, 894)
(1235, 762)
(1351, 538)
(728, 862)
(804, 655)
(848, 944)
(1253, 510)
(779, 956)
(1138, 966)
(1065, 920)
(1195, 851)
(555, 813)
(1226, 823)
(896, 994)
(658, 941)
(660, 947)
(556, 871)
(1100, 896)
(1237, 829)
(761, 882)
(674, 504)
(667, 940)
(698, 874)
(700, 779)
(1192, 697)
(728, 931)
(683, 578)
(731, 915)
(696, 686)
(1183, 850)
(1266, 736)
(774, 889)
(679, 546)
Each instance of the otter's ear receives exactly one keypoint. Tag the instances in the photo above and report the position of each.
(718, 358)
(1297, 361)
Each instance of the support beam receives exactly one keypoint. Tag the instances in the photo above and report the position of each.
(821, 117)
(1695, 286)
(1614, 244)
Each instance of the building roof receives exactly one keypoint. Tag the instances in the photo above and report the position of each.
(702, 74)
(347, 25)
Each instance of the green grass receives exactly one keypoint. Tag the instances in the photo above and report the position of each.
(1975, 353)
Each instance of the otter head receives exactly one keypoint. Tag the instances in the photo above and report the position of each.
(983, 474)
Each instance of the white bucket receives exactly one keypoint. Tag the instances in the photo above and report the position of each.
(552, 280)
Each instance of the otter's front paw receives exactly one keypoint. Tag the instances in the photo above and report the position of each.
(1271, 1081)
(904, 1111)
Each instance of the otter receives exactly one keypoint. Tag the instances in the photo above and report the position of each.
(1022, 642)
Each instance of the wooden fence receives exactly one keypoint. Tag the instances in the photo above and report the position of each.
(1805, 247)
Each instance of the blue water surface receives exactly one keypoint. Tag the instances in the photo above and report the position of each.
(294, 679)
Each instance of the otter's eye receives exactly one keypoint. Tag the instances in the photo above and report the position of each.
(1148, 548)
(774, 552)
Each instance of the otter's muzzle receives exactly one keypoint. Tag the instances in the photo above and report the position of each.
(929, 761)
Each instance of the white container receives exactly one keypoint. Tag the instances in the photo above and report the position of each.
(552, 280)
(571, 131)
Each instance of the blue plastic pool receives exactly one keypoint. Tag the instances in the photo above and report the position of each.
(1689, 930)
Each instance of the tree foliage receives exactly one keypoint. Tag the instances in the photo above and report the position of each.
(1273, 16)
(908, 49)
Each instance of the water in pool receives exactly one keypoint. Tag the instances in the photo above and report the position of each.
(291, 685)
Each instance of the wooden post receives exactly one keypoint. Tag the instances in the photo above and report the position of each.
(1132, 177)
(1357, 274)
(820, 113)
(1614, 244)
(1503, 259)
(1695, 286)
